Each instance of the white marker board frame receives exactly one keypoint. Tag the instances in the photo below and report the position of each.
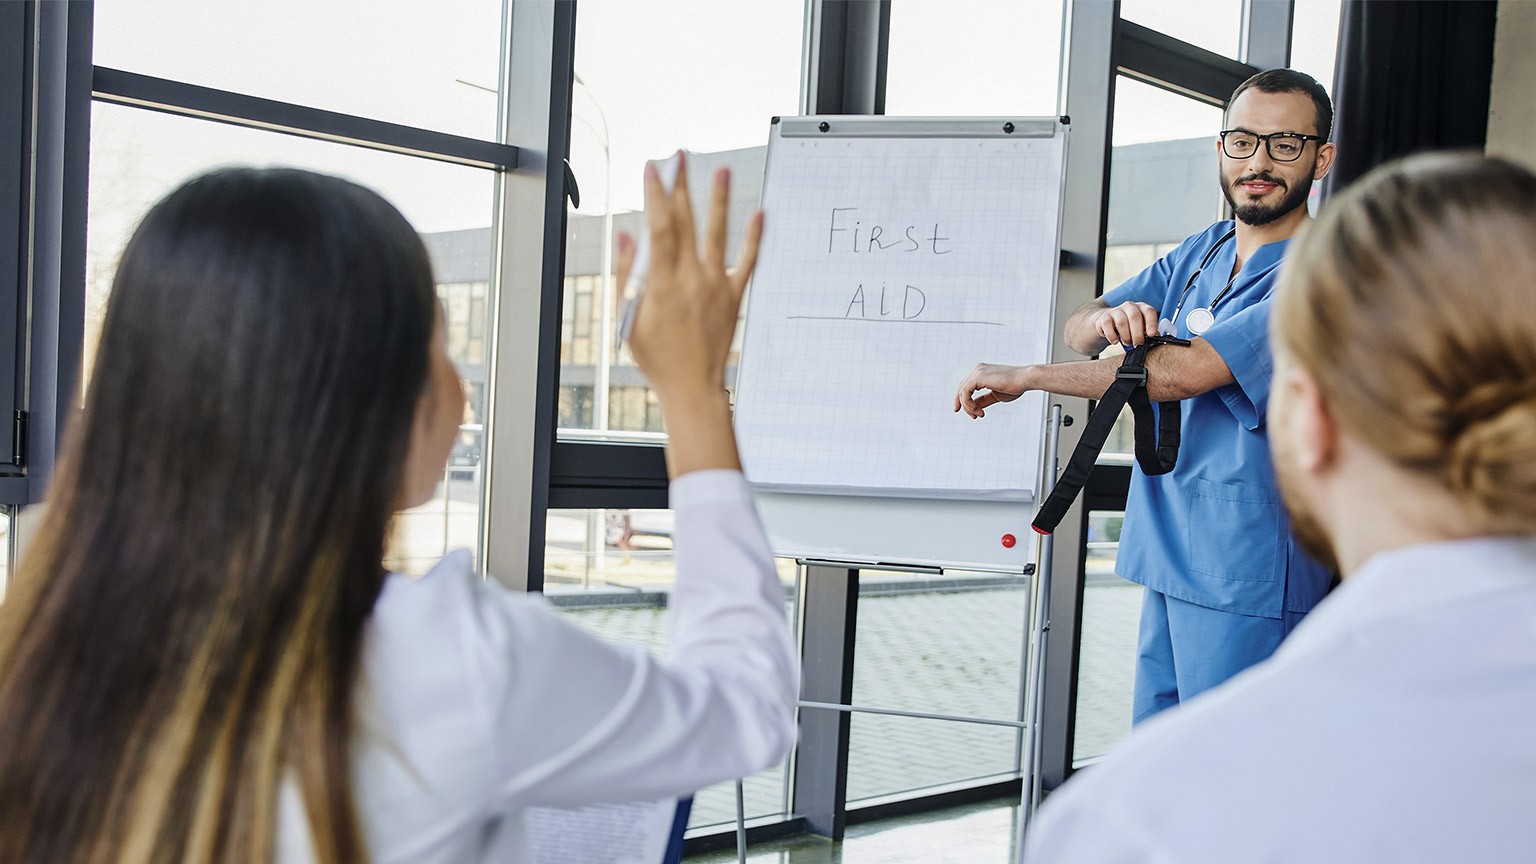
(955, 528)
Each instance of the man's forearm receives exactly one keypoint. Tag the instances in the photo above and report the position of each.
(1086, 378)
(1079, 335)
(1173, 373)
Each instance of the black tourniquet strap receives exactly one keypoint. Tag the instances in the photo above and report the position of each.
(1157, 446)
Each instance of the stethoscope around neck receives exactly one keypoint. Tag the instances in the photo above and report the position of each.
(1201, 318)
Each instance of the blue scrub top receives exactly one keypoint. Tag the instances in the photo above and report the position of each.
(1213, 530)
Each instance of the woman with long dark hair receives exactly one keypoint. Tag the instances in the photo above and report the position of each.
(202, 658)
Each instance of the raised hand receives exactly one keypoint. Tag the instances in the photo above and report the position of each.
(686, 317)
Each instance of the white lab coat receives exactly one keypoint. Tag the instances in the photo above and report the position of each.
(1395, 724)
(478, 702)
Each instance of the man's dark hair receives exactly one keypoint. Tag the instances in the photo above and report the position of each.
(1291, 81)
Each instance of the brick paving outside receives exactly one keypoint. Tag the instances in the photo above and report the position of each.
(945, 653)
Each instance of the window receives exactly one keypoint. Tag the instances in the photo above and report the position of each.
(1215, 25)
(434, 65)
(644, 87)
(1107, 664)
(1314, 48)
(138, 156)
(1163, 187)
(723, 85)
(1315, 39)
(938, 646)
(955, 58)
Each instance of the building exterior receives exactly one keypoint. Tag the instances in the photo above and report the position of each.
(1160, 193)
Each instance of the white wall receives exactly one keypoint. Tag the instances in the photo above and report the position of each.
(1512, 109)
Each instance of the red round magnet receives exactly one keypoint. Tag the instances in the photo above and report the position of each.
(1008, 541)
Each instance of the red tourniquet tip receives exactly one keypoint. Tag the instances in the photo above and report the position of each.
(1038, 531)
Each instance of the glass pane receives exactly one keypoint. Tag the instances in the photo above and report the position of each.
(945, 62)
(7, 547)
(431, 65)
(1163, 186)
(898, 756)
(724, 77)
(1314, 49)
(1107, 664)
(611, 571)
(949, 645)
(1215, 25)
(138, 156)
(1315, 39)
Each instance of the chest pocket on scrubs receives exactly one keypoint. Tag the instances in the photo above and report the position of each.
(1234, 531)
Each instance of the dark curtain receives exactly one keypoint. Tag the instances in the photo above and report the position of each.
(1411, 75)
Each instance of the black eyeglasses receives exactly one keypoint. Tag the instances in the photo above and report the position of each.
(1283, 146)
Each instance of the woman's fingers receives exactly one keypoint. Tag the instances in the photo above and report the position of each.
(746, 260)
(660, 220)
(682, 214)
(719, 209)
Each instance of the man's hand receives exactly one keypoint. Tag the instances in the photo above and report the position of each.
(1000, 383)
(1130, 323)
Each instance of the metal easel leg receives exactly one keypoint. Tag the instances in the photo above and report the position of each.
(1039, 624)
(741, 823)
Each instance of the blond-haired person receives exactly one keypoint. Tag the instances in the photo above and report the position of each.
(1394, 724)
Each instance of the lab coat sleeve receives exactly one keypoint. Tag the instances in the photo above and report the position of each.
(580, 721)
(1242, 340)
(1085, 823)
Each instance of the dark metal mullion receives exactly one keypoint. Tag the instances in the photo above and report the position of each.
(54, 288)
(562, 82)
(1267, 33)
(528, 234)
(828, 626)
(579, 463)
(849, 46)
(588, 475)
(595, 497)
(14, 162)
(1091, 62)
(1171, 64)
(206, 103)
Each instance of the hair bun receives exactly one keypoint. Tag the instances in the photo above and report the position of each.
(1490, 464)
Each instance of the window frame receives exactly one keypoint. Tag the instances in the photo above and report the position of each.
(527, 469)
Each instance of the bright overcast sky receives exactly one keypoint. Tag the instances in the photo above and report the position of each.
(701, 74)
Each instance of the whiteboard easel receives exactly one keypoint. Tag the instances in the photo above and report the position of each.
(897, 253)
(858, 330)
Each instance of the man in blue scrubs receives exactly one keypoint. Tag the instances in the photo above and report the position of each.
(1225, 580)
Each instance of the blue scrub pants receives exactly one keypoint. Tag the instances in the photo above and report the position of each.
(1185, 649)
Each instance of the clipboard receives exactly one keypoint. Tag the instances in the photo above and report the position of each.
(649, 832)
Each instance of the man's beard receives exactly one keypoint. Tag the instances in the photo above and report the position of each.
(1305, 525)
(1262, 214)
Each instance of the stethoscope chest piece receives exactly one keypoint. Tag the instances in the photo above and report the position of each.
(1199, 320)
